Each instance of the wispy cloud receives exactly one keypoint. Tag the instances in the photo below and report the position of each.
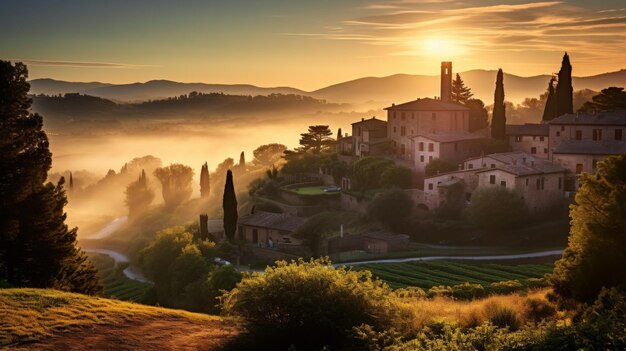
(86, 64)
(531, 26)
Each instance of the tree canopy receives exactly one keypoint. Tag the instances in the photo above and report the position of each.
(390, 207)
(37, 249)
(268, 154)
(437, 166)
(175, 183)
(478, 115)
(495, 208)
(460, 93)
(138, 195)
(609, 99)
(317, 139)
(596, 253)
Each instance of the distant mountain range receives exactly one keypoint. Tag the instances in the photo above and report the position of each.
(384, 90)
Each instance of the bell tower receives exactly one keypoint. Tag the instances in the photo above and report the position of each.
(446, 81)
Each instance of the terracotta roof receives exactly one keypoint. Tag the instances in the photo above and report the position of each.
(428, 104)
(530, 166)
(600, 118)
(451, 136)
(279, 221)
(373, 121)
(591, 147)
(528, 129)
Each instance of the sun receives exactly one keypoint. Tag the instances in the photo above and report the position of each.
(441, 47)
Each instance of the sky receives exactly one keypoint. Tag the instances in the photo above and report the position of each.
(306, 44)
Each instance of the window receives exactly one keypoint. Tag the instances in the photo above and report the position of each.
(394, 130)
(402, 149)
(431, 147)
(518, 139)
(618, 134)
(526, 181)
(359, 131)
(558, 133)
(430, 186)
(562, 128)
(402, 131)
(579, 135)
(470, 166)
(493, 165)
(533, 150)
(456, 147)
(538, 183)
(403, 116)
(420, 146)
(503, 183)
(597, 134)
(492, 179)
(543, 183)
(540, 138)
(434, 116)
(412, 132)
(545, 150)
(579, 168)
(560, 182)
(422, 158)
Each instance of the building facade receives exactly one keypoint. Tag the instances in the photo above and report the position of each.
(529, 138)
(369, 137)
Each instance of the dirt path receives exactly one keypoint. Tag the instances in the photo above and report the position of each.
(146, 334)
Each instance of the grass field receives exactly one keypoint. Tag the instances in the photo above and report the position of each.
(311, 190)
(53, 320)
(433, 273)
(115, 283)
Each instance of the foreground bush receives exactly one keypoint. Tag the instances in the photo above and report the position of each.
(495, 208)
(310, 304)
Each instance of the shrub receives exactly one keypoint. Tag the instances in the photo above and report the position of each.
(437, 166)
(468, 291)
(396, 177)
(440, 290)
(390, 207)
(502, 316)
(506, 287)
(535, 283)
(495, 208)
(538, 309)
(310, 304)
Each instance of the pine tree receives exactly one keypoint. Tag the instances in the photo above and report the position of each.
(549, 111)
(564, 90)
(205, 181)
(498, 120)
(317, 139)
(229, 204)
(37, 249)
(460, 93)
(242, 161)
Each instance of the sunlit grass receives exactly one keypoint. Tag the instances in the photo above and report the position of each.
(27, 315)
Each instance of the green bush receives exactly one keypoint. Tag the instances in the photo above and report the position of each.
(396, 177)
(539, 309)
(310, 304)
(505, 287)
(468, 291)
(390, 207)
(495, 208)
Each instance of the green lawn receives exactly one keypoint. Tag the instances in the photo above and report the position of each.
(115, 283)
(427, 274)
(311, 190)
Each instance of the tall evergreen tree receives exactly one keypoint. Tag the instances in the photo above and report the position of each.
(564, 89)
(138, 195)
(229, 204)
(37, 249)
(339, 136)
(242, 160)
(71, 182)
(549, 111)
(498, 120)
(460, 93)
(205, 181)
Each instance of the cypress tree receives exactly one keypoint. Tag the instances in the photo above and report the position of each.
(205, 181)
(549, 111)
(71, 182)
(564, 90)
(37, 249)
(498, 120)
(338, 134)
(229, 204)
(242, 161)
(138, 195)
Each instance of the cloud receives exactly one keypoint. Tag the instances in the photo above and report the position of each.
(478, 30)
(85, 64)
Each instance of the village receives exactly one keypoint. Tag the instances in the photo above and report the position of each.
(539, 162)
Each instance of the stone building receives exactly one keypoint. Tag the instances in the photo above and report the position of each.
(261, 227)
(451, 146)
(369, 137)
(529, 138)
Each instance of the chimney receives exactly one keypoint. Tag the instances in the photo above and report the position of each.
(446, 81)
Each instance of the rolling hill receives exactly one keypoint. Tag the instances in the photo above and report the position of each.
(37, 319)
(383, 90)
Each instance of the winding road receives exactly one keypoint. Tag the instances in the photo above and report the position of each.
(130, 272)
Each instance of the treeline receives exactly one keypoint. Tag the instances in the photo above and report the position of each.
(194, 104)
